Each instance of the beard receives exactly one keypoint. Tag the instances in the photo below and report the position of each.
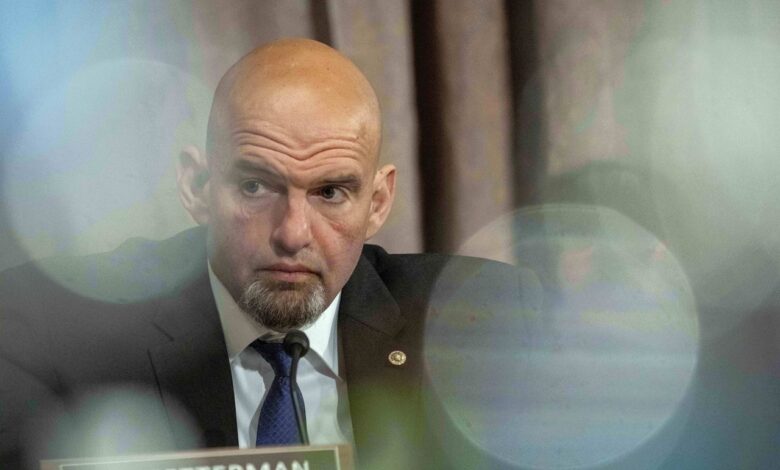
(283, 306)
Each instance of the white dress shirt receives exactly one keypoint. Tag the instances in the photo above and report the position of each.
(324, 391)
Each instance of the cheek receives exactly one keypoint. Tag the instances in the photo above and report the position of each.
(344, 231)
(341, 241)
(350, 222)
(237, 228)
(234, 214)
(230, 210)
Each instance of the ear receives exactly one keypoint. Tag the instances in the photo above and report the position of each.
(192, 177)
(381, 199)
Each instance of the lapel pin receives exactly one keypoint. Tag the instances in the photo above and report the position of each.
(397, 358)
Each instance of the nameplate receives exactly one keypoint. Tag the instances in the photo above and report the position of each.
(266, 458)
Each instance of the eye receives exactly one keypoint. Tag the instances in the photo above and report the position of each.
(332, 193)
(252, 188)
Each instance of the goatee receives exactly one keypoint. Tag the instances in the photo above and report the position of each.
(283, 306)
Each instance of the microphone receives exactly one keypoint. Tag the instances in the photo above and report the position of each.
(296, 344)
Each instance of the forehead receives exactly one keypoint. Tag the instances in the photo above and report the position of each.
(298, 136)
(263, 144)
(300, 121)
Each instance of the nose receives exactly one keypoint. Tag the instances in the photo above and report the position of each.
(292, 233)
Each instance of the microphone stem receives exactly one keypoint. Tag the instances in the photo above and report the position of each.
(303, 433)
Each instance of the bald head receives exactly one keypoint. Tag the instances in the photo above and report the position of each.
(291, 188)
(297, 83)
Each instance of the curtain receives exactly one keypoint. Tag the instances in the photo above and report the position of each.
(488, 105)
(663, 111)
(101, 96)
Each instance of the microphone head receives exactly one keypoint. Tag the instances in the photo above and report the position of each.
(296, 340)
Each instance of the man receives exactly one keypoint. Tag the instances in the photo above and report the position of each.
(289, 188)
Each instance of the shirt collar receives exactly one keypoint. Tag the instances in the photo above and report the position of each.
(240, 330)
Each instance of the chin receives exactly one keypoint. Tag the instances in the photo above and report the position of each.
(282, 306)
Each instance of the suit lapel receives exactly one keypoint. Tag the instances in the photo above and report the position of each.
(192, 367)
(382, 396)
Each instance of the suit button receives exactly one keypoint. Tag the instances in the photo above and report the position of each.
(397, 358)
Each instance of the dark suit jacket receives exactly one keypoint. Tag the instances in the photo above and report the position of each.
(144, 317)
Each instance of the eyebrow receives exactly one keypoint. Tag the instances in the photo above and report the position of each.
(249, 165)
(348, 180)
(248, 168)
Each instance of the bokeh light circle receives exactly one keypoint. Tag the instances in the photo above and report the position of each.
(94, 164)
(589, 365)
(109, 421)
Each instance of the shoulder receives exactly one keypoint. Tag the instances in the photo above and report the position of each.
(422, 264)
(412, 264)
(442, 278)
(139, 269)
(73, 324)
(73, 306)
(73, 303)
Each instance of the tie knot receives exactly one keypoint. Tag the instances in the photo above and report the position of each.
(275, 354)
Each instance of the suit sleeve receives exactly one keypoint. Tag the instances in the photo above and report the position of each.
(26, 380)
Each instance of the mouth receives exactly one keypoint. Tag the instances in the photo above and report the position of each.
(289, 272)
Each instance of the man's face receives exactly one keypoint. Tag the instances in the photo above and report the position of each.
(289, 199)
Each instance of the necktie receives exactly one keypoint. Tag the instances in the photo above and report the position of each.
(277, 424)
